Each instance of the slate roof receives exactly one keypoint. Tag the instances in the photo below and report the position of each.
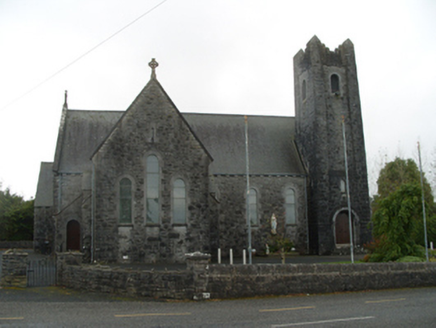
(271, 143)
(44, 190)
(271, 146)
(83, 133)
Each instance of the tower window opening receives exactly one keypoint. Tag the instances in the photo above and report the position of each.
(334, 84)
(303, 90)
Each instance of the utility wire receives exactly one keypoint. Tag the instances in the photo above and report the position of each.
(81, 56)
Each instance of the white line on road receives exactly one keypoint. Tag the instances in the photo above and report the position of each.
(383, 301)
(321, 322)
(148, 315)
(287, 309)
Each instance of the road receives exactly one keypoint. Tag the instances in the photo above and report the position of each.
(57, 307)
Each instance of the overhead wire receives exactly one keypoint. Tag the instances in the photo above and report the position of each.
(82, 56)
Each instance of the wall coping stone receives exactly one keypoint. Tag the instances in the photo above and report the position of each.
(197, 256)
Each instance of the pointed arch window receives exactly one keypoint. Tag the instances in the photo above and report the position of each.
(125, 198)
(290, 206)
(152, 189)
(334, 83)
(179, 202)
(252, 207)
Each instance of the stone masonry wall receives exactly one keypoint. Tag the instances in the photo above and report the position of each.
(202, 280)
(319, 137)
(14, 269)
(231, 192)
(23, 244)
(227, 281)
(43, 236)
(143, 283)
(151, 126)
(72, 198)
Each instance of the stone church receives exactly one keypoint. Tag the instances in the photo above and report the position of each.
(150, 183)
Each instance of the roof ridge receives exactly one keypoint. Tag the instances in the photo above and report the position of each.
(96, 110)
(237, 115)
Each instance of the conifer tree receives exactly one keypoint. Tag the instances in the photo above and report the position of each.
(397, 213)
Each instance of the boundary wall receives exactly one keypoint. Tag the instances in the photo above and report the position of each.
(202, 280)
(21, 244)
(14, 269)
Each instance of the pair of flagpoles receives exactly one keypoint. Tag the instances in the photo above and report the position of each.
(350, 222)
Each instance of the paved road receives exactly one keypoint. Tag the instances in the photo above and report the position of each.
(55, 307)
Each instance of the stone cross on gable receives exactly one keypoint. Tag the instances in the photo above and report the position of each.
(153, 64)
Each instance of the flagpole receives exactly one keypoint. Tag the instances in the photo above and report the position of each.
(247, 212)
(423, 204)
(350, 222)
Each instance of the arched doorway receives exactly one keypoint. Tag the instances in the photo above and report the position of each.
(73, 236)
(342, 228)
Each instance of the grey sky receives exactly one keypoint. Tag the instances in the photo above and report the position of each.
(214, 57)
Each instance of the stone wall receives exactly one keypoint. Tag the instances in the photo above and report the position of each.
(22, 244)
(231, 191)
(201, 280)
(14, 269)
(43, 229)
(72, 203)
(143, 283)
(226, 281)
(320, 140)
(152, 126)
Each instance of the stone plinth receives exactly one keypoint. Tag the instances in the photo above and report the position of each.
(198, 264)
(63, 260)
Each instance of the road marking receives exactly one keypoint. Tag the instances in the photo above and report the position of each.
(383, 301)
(321, 322)
(13, 318)
(287, 309)
(149, 314)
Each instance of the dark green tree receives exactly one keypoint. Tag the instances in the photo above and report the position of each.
(16, 217)
(399, 172)
(397, 212)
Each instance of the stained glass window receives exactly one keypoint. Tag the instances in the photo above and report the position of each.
(290, 206)
(252, 207)
(125, 201)
(153, 177)
(179, 202)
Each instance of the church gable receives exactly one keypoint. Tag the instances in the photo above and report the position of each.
(152, 122)
(151, 180)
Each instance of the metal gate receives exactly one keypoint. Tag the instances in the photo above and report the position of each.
(41, 272)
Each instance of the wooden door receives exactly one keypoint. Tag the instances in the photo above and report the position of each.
(342, 228)
(73, 236)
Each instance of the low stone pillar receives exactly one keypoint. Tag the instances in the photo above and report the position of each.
(14, 269)
(198, 264)
(65, 259)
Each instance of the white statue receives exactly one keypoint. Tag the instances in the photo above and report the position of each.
(273, 224)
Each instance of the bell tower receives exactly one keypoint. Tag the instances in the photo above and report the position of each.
(327, 91)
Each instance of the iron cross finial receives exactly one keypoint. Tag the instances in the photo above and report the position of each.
(153, 64)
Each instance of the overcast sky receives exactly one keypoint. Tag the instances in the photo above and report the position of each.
(214, 57)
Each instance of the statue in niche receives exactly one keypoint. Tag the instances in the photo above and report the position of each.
(273, 224)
